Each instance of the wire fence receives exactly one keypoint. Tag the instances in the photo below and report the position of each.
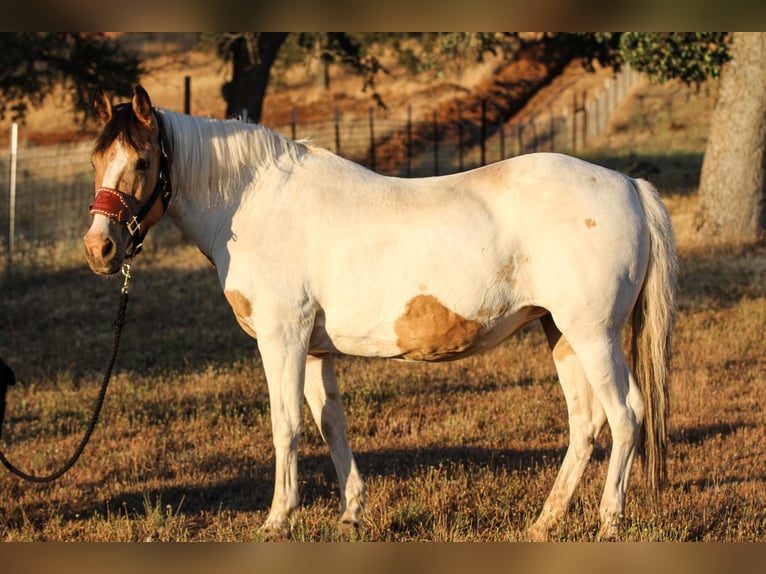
(47, 211)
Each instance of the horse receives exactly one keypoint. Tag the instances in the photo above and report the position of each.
(319, 256)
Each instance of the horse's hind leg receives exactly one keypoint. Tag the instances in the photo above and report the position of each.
(586, 417)
(321, 391)
(615, 388)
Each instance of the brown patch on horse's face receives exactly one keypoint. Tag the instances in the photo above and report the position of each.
(242, 310)
(428, 331)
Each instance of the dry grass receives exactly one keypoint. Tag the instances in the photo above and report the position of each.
(457, 451)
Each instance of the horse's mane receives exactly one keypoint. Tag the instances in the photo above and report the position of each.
(218, 158)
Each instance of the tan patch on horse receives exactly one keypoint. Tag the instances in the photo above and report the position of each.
(506, 273)
(488, 313)
(428, 331)
(562, 349)
(242, 310)
(589, 223)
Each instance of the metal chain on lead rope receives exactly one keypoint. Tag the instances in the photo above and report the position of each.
(118, 323)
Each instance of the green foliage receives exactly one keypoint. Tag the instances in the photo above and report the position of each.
(443, 49)
(33, 64)
(345, 49)
(689, 56)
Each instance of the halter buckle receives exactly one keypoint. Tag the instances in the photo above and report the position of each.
(134, 226)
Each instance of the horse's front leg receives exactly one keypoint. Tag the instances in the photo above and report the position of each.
(284, 360)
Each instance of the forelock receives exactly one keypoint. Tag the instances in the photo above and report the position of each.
(124, 124)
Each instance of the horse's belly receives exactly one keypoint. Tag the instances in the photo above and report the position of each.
(427, 331)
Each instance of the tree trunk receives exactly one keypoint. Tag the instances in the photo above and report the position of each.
(250, 75)
(732, 179)
(323, 67)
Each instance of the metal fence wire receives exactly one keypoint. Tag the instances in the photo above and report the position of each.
(54, 183)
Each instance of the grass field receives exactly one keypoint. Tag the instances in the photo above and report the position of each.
(463, 451)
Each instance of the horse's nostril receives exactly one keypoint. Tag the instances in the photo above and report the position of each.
(107, 249)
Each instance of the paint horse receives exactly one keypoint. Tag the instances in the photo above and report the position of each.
(319, 256)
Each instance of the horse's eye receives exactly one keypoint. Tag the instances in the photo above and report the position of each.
(141, 164)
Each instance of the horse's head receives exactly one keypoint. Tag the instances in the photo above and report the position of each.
(131, 173)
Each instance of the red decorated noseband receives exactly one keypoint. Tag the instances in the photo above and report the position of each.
(111, 203)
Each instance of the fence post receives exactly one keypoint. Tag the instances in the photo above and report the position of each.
(436, 144)
(552, 130)
(584, 142)
(187, 95)
(483, 132)
(409, 140)
(501, 129)
(293, 121)
(337, 130)
(12, 200)
(574, 122)
(372, 139)
(460, 137)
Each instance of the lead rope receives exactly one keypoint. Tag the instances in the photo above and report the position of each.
(118, 323)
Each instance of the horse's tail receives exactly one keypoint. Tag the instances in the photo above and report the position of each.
(652, 322)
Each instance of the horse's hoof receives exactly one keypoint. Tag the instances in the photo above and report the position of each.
(274, 530)
(539, 533)
(609, 532)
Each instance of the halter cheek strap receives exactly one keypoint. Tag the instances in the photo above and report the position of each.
(113, 204)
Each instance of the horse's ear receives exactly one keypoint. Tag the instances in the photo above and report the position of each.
(142, 106)
(102, 105)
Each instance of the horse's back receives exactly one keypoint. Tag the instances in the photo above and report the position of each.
(475, 255)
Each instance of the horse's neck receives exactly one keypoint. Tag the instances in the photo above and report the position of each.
(197, 220)
(216, 162)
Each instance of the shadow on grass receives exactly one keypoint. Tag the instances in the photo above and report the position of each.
(177, 321)
(722, 277)
(251, 490)
(673, 173)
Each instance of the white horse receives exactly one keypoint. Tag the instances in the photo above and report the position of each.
(319, 256)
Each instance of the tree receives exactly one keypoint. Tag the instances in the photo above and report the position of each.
(33, 64)
(731, 188)
(252, 55)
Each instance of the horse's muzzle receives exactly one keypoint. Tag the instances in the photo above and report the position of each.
(104, 255)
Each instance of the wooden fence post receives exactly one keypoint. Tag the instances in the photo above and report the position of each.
(483, 132)
(409, 140)
(460, 137)
(372, 139)
(436, 144)
(12, 200)
(337, 130)
(187, 95)
(501, 130)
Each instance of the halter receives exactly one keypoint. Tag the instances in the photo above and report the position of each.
(113, 203)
